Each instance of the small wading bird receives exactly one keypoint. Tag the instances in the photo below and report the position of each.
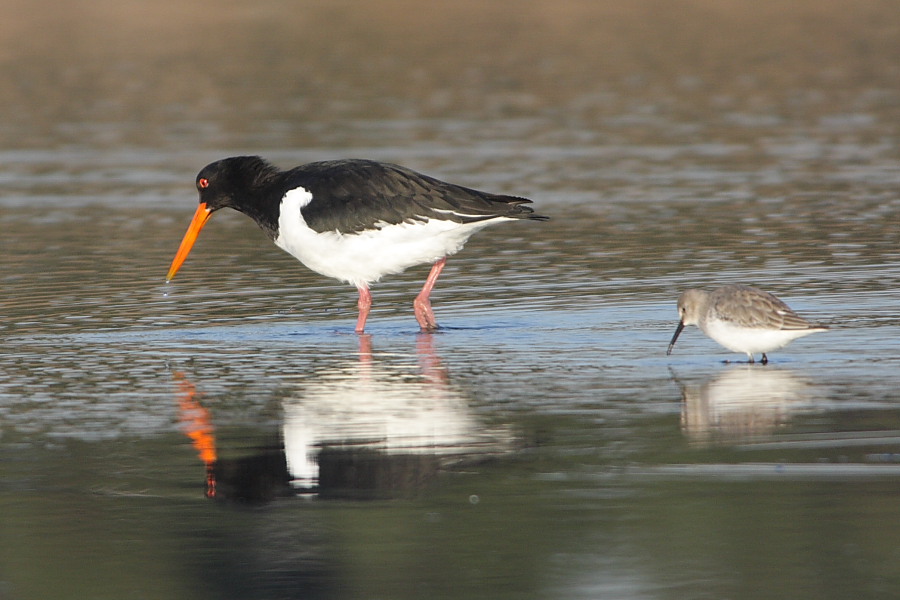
(742, 319)
(353, 220)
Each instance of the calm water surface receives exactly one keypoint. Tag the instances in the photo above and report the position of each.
(228, 436)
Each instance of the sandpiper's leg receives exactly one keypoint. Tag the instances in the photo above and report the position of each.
(365, 303)
(422, 304)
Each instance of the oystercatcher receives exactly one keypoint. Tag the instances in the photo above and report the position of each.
(743, 319)
(353, 220)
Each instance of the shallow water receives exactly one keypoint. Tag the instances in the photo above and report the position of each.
(227, 435)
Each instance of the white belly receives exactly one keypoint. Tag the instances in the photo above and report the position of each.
(362, 258)
(750, 340)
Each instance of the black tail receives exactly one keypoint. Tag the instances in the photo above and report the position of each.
(516, 209)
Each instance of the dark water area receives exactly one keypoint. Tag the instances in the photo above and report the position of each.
(227, 435)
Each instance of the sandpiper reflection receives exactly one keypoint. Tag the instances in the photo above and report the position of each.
(373, 426)
(742, 404)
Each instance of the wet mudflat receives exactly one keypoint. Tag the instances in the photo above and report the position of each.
(228, 436)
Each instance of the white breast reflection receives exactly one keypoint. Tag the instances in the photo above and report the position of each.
(376, 426)
(742, 404)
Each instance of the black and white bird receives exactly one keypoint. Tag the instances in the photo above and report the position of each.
(353, 220)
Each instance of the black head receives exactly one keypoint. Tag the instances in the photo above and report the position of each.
(233, 182)
(241, 183)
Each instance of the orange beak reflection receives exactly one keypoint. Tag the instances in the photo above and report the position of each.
(200, 218)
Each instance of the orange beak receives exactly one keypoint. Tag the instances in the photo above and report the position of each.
(200, 218)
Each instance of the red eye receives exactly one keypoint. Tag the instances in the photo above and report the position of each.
(203, 183)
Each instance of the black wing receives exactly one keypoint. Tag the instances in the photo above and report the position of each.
(353, 195)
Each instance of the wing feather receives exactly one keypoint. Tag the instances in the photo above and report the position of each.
(354, 195)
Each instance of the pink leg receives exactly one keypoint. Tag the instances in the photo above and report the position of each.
(365, 303)
(422, 305)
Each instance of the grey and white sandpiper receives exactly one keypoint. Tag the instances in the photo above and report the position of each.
(742, 319)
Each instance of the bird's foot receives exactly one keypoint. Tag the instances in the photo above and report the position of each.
(424, 315)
